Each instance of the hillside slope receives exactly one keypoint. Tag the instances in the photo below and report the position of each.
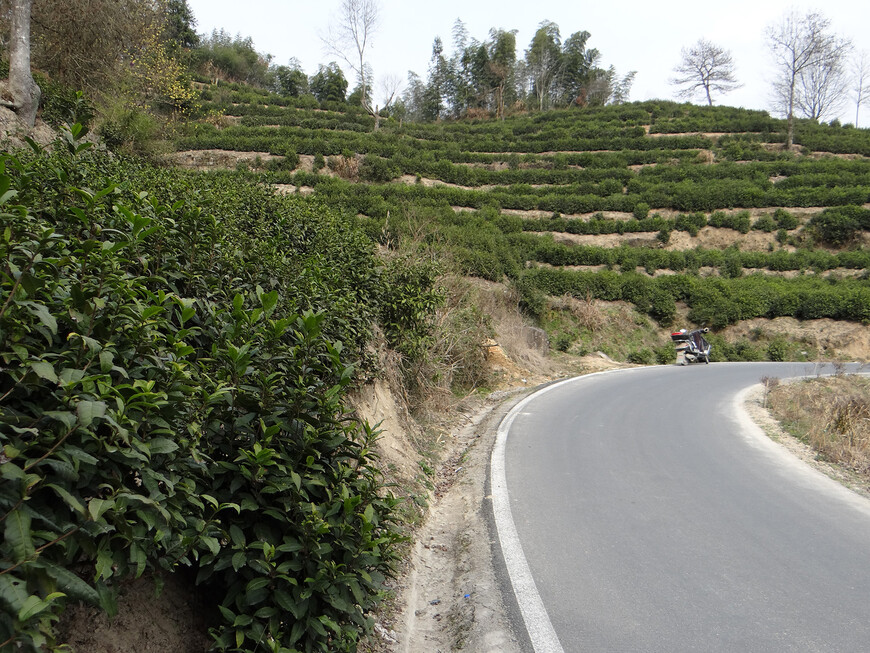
(694, 215)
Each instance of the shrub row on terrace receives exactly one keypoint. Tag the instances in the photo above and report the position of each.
(688, 196)
(312, 120)
(206, 137)
(717, 120)
(836, 226)
(714, 302)
(730, 262)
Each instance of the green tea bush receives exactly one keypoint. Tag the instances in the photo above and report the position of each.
(765, 223)
(665, 354)
(642, 356)
(785, 220)
(171, 396)
(409, 298)
(839, 226)
(778, 350)
(377, 169)
(641, 210)
(739, 351)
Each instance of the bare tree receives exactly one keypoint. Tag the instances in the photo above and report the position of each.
(25, 92)
(390, 87)
(823, 87)
(860, 79)
(350, 37)
(705, 67)
(86, 44)
(799, 43)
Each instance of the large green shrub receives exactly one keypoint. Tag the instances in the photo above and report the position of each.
(170, 396)
(840, 225)
(410, 295)
(377, 169)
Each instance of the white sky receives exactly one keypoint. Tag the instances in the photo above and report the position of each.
(631, 35)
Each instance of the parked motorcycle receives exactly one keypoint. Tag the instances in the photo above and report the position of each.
(691, 346)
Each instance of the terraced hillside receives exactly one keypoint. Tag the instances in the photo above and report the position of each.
(689, 214)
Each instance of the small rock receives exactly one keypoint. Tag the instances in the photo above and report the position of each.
(388, 635)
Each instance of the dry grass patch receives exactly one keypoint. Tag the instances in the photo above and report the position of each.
(588, 312)
(346, 167)
(831, 414)
(516, 337)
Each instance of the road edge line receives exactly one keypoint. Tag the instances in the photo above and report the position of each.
(538, 626)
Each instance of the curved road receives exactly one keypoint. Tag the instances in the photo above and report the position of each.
(652, 519)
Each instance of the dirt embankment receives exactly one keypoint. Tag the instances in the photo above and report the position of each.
(833, 339)
(448, 596)
(13, 130)
(220, 159)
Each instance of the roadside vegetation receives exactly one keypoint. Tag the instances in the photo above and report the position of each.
(831, 414)
(175, 351)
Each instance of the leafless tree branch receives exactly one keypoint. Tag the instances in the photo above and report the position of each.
(707, 68)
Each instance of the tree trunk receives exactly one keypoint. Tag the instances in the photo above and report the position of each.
(789, 138)
(376, 114)
(25, 92)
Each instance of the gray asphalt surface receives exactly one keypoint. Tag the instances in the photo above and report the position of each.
(650, 522)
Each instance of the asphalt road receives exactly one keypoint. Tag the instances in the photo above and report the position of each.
(651, 520)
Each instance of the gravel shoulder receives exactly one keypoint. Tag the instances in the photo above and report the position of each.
(759, 414)
(450, 596)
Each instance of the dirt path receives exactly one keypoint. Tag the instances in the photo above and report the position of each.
(450, 597)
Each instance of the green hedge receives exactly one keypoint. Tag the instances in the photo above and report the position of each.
(714, 302)
(174, 356)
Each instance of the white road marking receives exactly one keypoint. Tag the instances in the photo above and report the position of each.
(541, 632)
(538, 625)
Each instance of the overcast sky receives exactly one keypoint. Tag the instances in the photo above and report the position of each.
(629, 34)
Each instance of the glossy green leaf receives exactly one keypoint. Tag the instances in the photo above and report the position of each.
(87, 411)
(42, 313)
(68, 498)
(98, 507)
(44, 370)
(18, 536)
(162, 446)
(33, 605)
(72, 585)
